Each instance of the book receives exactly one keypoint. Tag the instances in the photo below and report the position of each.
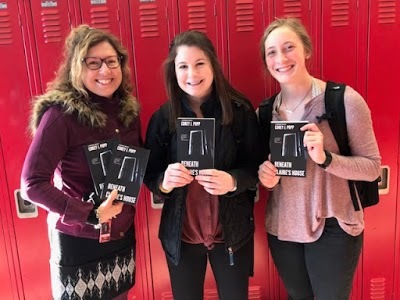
(195, 143)
(98, 156)
(288, 153)
(125, 173)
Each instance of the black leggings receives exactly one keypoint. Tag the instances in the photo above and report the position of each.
(187, 279)
(323, 269)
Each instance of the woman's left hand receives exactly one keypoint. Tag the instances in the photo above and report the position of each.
(314, 141)
(216, 182)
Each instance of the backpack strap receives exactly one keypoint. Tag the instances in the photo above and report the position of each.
(265, 118)
(336, 115)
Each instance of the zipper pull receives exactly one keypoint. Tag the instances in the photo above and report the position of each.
(231, 262)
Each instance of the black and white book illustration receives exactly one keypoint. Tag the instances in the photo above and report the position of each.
(126, 172)
(195, 143)
(98, 156)
(288, 153)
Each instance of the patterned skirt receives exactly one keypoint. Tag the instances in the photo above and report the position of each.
(85, 269)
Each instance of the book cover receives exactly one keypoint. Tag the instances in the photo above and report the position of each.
(195, 143)
(126, 171)
(288, 153)
(98, 156)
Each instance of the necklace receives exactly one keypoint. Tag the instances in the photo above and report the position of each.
(290, 111)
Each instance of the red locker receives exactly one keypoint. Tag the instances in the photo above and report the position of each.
(345, 21)
(246, 69)
(28, 236)
(8, 278)
(153, 25)
(51, 24)
(380, 233)
(341, 22)
(397, 247)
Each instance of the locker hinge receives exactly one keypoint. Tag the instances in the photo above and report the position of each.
(118, 16)
(215, 9)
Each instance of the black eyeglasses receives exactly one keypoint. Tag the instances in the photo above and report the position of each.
(95, 63)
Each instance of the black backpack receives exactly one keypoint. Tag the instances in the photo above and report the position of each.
(335, 113)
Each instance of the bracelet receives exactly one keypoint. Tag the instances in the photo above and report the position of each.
(164, 191)
(96, 211)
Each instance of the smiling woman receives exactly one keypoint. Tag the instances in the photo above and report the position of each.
(208, 216)
(310, 221)
(100, 78)
(89, 101)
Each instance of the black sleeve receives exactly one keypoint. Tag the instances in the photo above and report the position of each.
(157, 141)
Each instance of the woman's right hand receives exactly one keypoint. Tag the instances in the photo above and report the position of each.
(109, 208)
(176, 175)
(267, 174)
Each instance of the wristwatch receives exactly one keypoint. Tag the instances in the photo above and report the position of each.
(327, 161)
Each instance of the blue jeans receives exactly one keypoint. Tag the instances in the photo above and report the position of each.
(323, 269)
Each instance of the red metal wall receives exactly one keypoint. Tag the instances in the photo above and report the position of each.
(354, 41)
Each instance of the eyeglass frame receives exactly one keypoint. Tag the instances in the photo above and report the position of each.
(103, 60)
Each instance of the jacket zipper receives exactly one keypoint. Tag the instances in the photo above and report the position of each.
(231, 261)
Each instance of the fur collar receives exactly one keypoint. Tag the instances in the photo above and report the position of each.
(87, 112)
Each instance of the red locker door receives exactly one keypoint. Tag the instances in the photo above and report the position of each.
(152, 29)
(8, 279)
(51, 24)
(247, 74)
(341, 22)
(245, 29)
(382, 91)
(208, 17)
(397, 249)
(345, 21)
(28, 236)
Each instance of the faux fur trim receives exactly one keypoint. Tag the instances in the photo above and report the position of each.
(87, 112)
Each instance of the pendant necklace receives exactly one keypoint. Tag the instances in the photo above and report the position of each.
(290, 111)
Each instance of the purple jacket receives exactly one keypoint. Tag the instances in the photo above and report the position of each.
(56, 175)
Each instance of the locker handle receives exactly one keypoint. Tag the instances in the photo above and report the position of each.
(25, 209)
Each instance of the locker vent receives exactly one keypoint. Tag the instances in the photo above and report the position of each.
(244, 15)
(387, 11)
(167, 296)
(377, 288)
(149, 25)
(51, 24)
(100, 17)
(5, 28)
(197, 16)
(292, 8)
(340, 13)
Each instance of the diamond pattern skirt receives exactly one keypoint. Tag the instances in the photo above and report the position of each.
(85, 269)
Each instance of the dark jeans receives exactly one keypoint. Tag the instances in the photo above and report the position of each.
(187, 279)
(323, 269)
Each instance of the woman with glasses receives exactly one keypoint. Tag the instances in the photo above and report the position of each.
(89, 101)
